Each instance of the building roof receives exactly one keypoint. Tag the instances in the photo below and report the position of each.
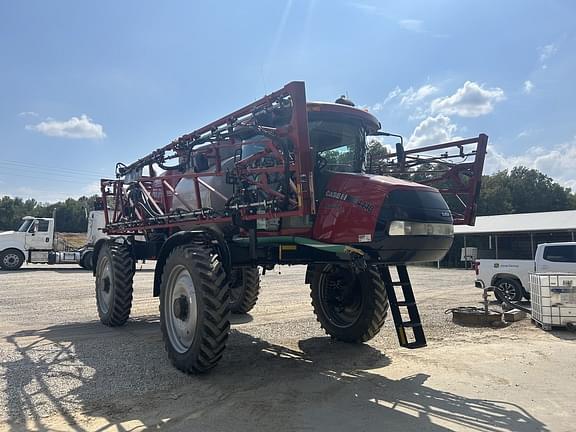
(522, 222)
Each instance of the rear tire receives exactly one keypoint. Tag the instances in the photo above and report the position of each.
(350, 307)
(194, 308)
(114, 275)
(244, 289)
(11, 259)
(86, 261)
(509, 288)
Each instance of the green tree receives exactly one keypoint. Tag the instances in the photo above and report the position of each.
(523, 190)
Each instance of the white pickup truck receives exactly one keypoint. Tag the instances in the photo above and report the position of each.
(512, 276)
(35, 242)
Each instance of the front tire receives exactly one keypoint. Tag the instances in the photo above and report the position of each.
(114, 276)
(350, 307)
(244, 289)
(194, 308)
(11, 259)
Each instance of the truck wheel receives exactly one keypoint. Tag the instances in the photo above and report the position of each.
(509, 289)
(86, 261)
(11, 259)
(114, 275)
(244, 289)
(194, 308)
(350, 307)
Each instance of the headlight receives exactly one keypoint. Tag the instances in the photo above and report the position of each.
(404, 228)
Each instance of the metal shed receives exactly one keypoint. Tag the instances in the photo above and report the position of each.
(512, 236)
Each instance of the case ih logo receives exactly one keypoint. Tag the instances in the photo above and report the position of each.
(366, 206)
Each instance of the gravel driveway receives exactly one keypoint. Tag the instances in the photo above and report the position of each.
(62, 370)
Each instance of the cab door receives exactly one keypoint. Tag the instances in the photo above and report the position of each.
(39, 235)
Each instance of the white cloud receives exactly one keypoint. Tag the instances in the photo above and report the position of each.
(546, 52)
(75, 127)
(528, 87)
(392, 95)
(524, 133)
(406, 98)
(556, 162)
(368, 8)
(411, 96)
(471, 100)
(412, 25)
(432, 130)
(28, 114)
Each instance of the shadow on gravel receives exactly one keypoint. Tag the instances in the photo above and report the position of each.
(121, 375)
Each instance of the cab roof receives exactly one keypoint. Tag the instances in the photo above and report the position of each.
(368, 119)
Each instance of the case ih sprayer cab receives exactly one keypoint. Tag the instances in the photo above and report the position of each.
(281, 181)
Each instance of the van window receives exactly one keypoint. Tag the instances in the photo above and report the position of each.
(564, 253)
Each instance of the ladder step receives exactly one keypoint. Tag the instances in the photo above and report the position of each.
(400, 283)
(411, 324)
(406, 304)
(415, 344)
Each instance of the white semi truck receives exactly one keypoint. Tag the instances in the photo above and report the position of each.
(36, 242)
(512, 276)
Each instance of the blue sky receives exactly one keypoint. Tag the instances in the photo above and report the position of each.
(84, 85)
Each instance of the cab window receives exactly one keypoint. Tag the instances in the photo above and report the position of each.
(25, 225)
(43, 226)
(339, 144)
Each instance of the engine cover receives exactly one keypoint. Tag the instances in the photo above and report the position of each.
(354, 209)
(350, 206)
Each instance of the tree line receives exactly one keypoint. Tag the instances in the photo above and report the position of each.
(520, 190)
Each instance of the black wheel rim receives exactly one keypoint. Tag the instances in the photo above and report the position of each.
(340, 296)
(508, 290)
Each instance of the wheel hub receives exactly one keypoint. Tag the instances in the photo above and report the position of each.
(340, 297)
(106, 285)
(10, 259)
(181, 308)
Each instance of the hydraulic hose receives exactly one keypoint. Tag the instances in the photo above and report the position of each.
(512, 304)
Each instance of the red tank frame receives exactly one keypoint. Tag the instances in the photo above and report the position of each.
(296, 132)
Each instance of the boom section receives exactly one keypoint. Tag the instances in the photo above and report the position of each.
(261, 153)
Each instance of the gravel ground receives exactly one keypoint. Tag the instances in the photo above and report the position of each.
(62, 370)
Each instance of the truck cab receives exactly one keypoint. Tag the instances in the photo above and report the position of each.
(35, 242)
(33, 239)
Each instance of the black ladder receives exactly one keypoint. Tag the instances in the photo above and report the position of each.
(409, 303)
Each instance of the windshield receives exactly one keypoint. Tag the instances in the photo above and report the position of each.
(339, 145)
(25, 225)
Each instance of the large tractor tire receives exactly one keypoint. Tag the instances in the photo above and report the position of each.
(114, 275)
(350, 306)
(244, 289)
(194, 308)
(11, 259)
